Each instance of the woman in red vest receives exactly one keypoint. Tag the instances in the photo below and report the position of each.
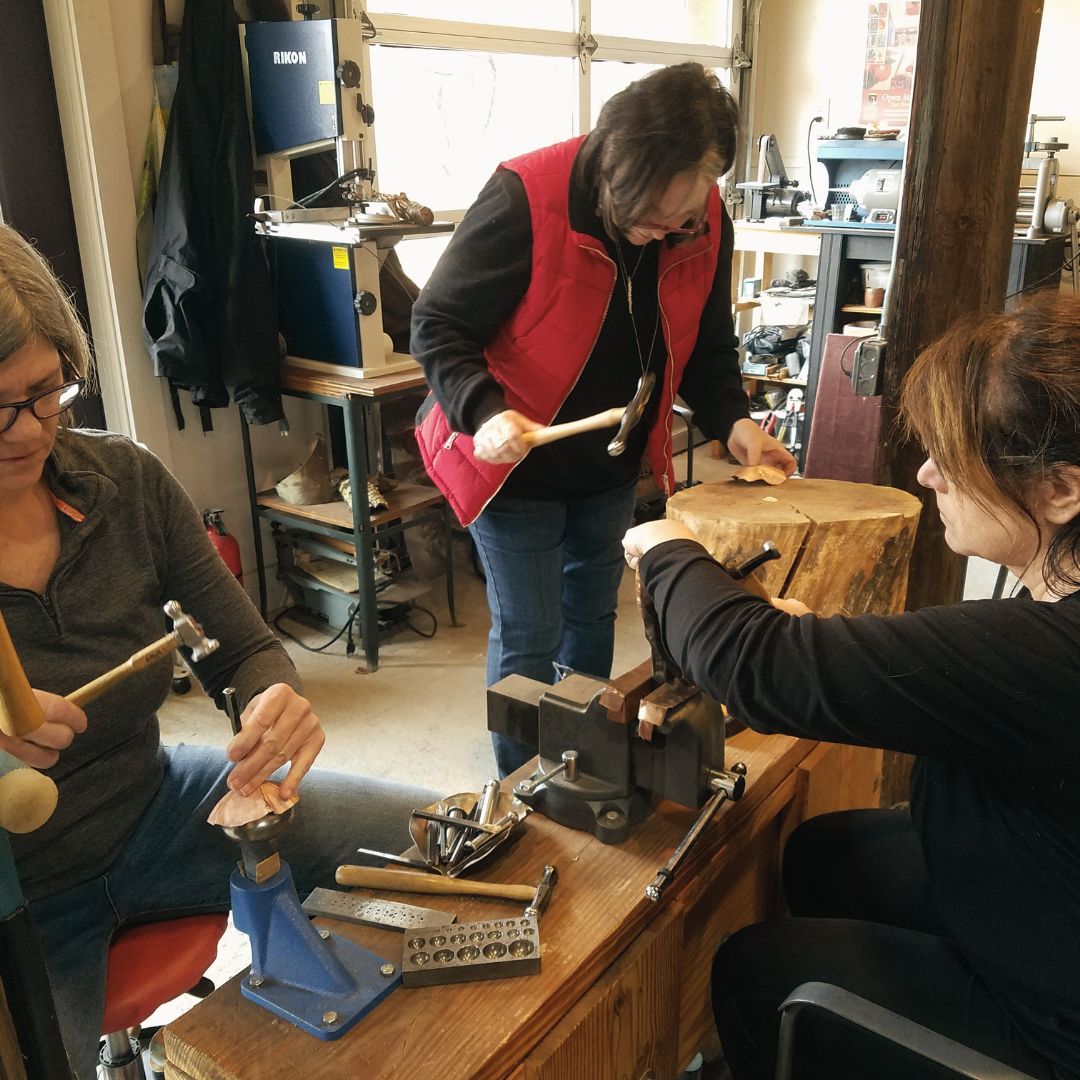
(581, 269)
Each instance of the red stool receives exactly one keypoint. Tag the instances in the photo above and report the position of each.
(149, 965)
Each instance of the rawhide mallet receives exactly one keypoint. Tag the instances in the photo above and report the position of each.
(27, 797)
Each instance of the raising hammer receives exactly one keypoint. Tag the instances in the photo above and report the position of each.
(186, 633)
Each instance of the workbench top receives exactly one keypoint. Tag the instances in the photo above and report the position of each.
(598, 913)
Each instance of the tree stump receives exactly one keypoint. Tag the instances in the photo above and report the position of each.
(844, 548)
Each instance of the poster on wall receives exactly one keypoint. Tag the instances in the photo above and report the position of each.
(892, 31)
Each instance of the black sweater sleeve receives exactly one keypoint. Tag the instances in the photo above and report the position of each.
(992, 683)
(480, 279)
(712, 383)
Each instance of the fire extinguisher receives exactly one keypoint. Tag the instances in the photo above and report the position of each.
(223, 540)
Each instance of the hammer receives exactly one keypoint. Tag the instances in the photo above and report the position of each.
(406, 881)
(186, 633)
(27, 797)
(627, 418)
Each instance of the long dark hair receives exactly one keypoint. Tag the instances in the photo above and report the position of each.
(996, 403)
(676, 119)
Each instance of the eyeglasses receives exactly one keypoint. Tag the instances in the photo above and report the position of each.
(45, 405)
(696, 228)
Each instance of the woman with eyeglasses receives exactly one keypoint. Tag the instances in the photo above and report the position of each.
(582, 272)
(962, 914)
(95, 537)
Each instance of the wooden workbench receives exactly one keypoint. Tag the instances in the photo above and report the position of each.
(624, 989)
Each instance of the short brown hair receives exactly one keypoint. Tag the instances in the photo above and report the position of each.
(996, 403)
(33, 303)
(675, 120)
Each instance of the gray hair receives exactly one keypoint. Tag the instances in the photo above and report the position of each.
(33, 303)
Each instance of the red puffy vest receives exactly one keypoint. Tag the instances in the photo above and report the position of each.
(542, 348)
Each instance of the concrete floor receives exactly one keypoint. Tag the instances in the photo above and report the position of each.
(420, 718)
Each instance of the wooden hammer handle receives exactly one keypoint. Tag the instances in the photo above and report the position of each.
(136, 662)
(20, 713)
(540, 436)
(406, 881)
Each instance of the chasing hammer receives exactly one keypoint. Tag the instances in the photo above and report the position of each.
(186, 633)
(405, 881)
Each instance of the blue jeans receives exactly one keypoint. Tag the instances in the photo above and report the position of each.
(553, 569)
(176, 864)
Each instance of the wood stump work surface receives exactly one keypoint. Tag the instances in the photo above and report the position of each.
(844, 548)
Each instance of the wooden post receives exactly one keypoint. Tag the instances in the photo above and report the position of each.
(972, 88)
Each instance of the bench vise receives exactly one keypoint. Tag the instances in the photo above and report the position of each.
(596, 766)
(606, 746)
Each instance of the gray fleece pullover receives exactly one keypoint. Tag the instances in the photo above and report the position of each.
(140, 544)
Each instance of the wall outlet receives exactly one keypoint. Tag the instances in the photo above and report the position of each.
(868, 367)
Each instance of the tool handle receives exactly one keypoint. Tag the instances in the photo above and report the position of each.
(544, 435)
(20, 713)
(136, 662)
(404, 881)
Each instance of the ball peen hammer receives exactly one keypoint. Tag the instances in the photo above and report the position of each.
(186, 633)
(627, 418)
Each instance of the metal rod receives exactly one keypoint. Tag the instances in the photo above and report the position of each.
(228, 697)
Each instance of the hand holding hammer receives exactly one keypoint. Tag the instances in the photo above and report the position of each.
(508, 436)
(186, 633)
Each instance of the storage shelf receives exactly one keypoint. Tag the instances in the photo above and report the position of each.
(861, 309)
(404, 500)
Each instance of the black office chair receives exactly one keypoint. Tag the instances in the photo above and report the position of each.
(885, 1024)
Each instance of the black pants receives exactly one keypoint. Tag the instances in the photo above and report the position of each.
(863, 918)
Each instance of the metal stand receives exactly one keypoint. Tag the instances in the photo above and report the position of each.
(317, 981)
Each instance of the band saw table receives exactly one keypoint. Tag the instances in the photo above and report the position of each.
(624, 984)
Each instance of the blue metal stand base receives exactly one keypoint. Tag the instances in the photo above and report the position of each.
(323, 985)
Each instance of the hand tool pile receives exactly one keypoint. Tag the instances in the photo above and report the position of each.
(460, 830)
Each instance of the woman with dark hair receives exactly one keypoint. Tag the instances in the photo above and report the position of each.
(580, 270)
(964, 913)
(95, 537)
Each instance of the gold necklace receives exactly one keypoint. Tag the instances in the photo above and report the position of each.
(628, 279)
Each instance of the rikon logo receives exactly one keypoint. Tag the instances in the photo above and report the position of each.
(293, 57)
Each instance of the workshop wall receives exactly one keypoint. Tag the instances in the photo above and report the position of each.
(809, 62)
(210, 465)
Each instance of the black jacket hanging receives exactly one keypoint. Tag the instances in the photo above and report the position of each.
(209, 316)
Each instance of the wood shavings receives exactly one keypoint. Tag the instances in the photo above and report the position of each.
(234, 809)
(769, 473)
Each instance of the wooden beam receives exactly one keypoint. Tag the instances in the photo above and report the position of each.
(970, 102)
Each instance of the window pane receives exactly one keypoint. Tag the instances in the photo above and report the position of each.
(700, 22)
(419, 254)
(610, 76)
(541, 14)
(444, 119)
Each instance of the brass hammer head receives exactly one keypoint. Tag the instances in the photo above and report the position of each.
(189, 633)
(633, 413)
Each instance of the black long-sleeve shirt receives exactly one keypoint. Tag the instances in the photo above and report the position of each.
(483, 276)
(986, 693)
